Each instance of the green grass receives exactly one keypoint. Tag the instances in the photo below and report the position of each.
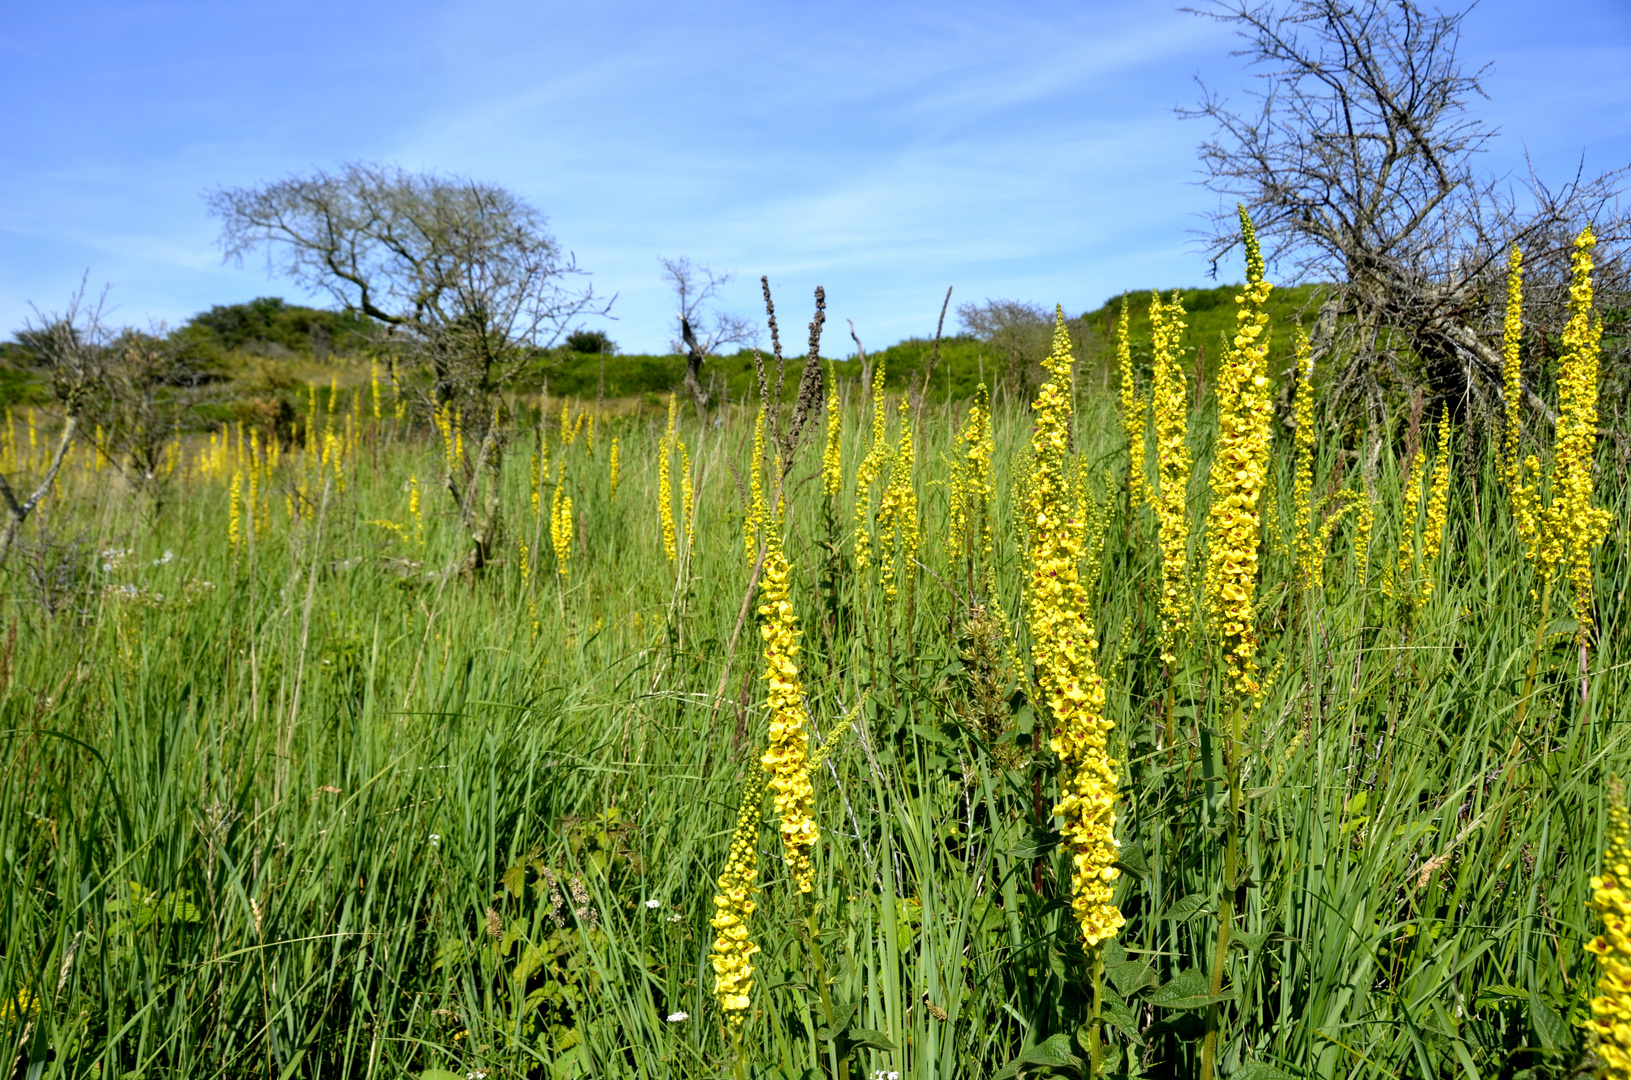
(335, 814)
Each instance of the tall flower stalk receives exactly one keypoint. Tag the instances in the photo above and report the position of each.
(1611, 899)
(1233, 535)
(1170, 401)
(1063, 647)
(734, 948)
(1133, 411)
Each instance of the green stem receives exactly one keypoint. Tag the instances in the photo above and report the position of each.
(820, 965)
(1094, 1036)
(1226, 902)
(1534, 657)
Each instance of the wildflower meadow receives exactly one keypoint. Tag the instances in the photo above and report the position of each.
(1160, 721)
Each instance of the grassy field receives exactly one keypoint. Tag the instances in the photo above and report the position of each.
(281, 796)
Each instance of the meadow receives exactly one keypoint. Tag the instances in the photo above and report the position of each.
(286, 792)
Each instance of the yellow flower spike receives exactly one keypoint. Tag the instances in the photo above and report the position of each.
(688, 509)
(1572, 527)
(786, 758)
(1611, 899)
(373, 383)
(560, 526)
(235, 511)
(1239, 468)
(872, 465)
(665, 495)
(1169, 494)
(755, 523)
(1512, 366)
(1133, 410)
(1438, 507)
(832, 461)
(733, 950)
(971, 482)
(1303, 443)
(1362, 533)
(1063, 645)
(614, 467)
(897, 510)
(413, 511)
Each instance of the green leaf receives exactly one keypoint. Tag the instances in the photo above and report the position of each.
(866, 1038)
(931, 734)
(1038, 844)
(1135, 976)
(1257, 1070)
(1121, 1018)
(1185, 909)
(1489, 995)
(1132, 861)
(1188, 990)
(1053, 1052)
(1549, 1026)
(439, 1074)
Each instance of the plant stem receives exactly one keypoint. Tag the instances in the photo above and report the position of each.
(1226, 901)
(1534, 657)
(820, 965)
(1094, 1036)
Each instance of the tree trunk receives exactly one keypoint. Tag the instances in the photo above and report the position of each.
(16, 513)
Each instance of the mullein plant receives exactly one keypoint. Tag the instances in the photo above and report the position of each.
(1063, 647)
(897, 511)
(734, 948)
(969, 534)
(1610, 1023)
(665, 485)
(1561, 534)
(787, 758)
(1133, 412)
(871, 467)
(1168, 493)
(1302, 486)
(1233, 536)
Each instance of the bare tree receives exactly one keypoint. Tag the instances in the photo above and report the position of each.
(703, 328)
(1356, 158)
(1019, 332)
(463, 277)
(71, 348)
(150, 385)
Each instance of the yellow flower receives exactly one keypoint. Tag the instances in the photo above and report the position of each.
(1611, 1008)
(1438, 505)
(1133, 411)
(560, 526)
(1303, 483)
(877, 455)
(832, 462)
(614, 464)
(786, 759)
(1572, 527)
(1239, 465)
(413, 511)
(234, 510)
(1170, 401)
(733, 949)
(1362, 531)
(665, 488)
(755, 523)
(971, 482)
(1063, 645)
(1512, 364)
(897, 510)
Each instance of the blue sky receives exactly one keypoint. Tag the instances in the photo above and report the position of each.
(884, 151)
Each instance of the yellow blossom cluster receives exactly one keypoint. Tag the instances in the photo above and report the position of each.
(1239, 465)
(733, 949)
(897, 510)
(871, 467)
(665, 484)
(1512, 366)
(786, 758)
(1438, 509)
(755, 523)
(1362, 533)
(560, 527)
(1169, 400)
(614, 468)
(1063, 645)
(832, 460)
(1303, 445)
(1611, 898)
(1132, 412)
(970, 527)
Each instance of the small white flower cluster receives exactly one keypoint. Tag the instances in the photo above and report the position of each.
(435, 840)
(112, 558)
(168, 556)
(886, 1074)
(676, 1017)
(654, 904)
(479, 1074)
